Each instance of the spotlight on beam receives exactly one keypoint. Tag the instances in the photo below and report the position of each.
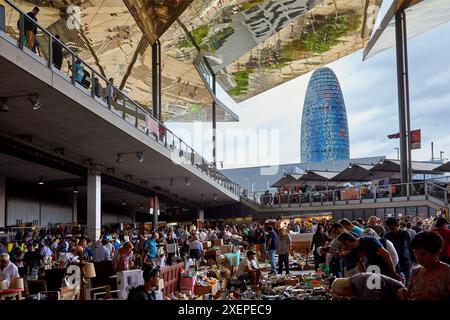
(3, 105)
(36, 103)
(140, 157)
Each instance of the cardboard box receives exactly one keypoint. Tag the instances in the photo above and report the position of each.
(226, 248)
(207, 244)
(291, 282)
(218, 243)
(201, 290)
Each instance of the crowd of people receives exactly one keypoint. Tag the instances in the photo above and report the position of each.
(351, 250)
(355, 250)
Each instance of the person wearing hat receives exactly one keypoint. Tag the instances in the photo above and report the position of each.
(367, 286)
(441, 228)
(249, 269)
(8, 270)
(147, 291)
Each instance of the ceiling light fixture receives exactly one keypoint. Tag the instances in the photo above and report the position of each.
(142, 206)
(35, 102)
(215, 197)
(41, 181)
(3, 105)
(188, 182)
(171, 182)
(124, 203)
(75, 190)
(202, 197)
(119, 158)
(140, 157)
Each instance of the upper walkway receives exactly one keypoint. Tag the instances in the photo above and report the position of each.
(424, 193)
(91, 119)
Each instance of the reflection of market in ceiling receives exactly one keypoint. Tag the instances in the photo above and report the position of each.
(110, 41)
(252, 45)
(256, 45)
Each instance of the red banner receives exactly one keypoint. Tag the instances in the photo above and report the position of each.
(415, 139)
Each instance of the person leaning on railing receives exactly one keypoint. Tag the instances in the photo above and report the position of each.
(57, 52)
(30, 28)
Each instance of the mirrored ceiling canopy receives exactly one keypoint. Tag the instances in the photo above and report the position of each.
(111, 41)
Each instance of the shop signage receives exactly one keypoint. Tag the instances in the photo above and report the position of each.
(416, 136)
(415, 139)
(350, 194)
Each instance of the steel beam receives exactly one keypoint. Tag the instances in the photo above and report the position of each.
(403, 96)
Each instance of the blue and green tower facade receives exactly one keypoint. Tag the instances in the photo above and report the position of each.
(324, 132)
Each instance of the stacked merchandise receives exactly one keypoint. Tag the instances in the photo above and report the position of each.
(311, 286)
(301, 262)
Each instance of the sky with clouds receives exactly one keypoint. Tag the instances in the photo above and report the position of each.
(272, 119)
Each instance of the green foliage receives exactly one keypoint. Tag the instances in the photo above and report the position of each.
(321, 40)
(217, 39)
(184, 43)
(195, 108)
(200, 33)
(327, 35)
(241, 78)
(250, 4)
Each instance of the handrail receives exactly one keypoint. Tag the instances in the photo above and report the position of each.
(211, 170)
(322, 196)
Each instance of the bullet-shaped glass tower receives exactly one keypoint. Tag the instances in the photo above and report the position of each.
(324, 129)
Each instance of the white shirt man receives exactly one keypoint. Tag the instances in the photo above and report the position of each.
(8, 270)
(196, 245)
(202, 235)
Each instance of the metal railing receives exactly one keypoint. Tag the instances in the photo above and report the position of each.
(48, 50)
(362, 194)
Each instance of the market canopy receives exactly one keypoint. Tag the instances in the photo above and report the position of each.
(318, 177)
(355, 172)
(444, 167)
(291, 179)
(417, 167)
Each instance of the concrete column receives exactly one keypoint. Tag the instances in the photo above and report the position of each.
(155, 213)
(94, 212)
(200, 218)
(201, 214)
(75, 208)
(2, 202)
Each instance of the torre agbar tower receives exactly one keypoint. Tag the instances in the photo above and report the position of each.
(324, 129)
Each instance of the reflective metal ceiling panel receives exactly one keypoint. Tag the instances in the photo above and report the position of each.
(255, 45)
(154, 17)
(111, 41)
(421, 16)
